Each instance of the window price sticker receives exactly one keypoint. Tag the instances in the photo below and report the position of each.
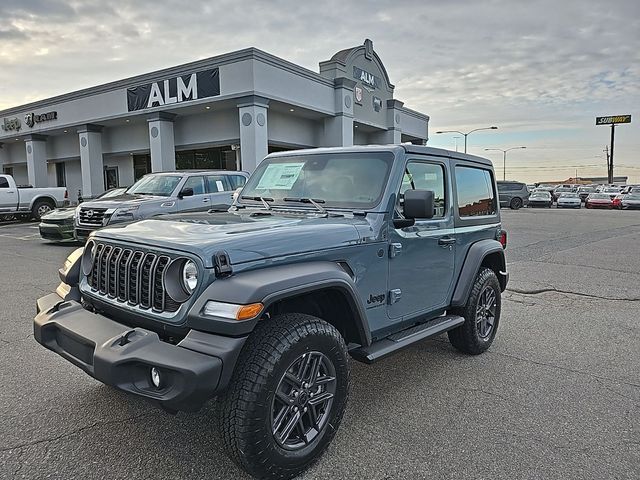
(280, 176)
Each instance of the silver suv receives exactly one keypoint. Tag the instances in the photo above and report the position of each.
(160, 193)
(513, 194)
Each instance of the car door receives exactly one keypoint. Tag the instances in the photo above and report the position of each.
(8, 196)
(200, 198)
(220, 190)
(421, 257)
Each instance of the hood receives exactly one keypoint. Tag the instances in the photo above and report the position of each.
(124, 200)
(246, 236)
(60, 214)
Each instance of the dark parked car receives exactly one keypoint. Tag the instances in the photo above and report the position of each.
(513, 194)
(57, 225)
(630, 201)
(599, 200)
(584, 192)
(328, 253)
(540, 198)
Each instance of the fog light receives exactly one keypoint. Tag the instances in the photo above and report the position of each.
(156, 379)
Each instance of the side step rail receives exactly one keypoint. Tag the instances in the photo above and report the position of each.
(399, 340)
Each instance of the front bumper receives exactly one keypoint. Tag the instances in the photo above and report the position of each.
(193, 371)
(56, 232)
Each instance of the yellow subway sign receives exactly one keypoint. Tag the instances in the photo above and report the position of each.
(613, 119)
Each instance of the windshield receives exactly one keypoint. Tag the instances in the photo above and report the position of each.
(611, 190)
(569, 195)
(633, 196)
(587, 189)
(600, 195)
(341, 180)
(541, 194)
(161, 185)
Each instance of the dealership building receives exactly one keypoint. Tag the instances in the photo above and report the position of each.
(225, 112)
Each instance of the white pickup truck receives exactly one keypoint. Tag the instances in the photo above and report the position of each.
(29, 201)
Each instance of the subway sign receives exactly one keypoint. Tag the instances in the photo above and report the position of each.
(613, 119)
(192, 86)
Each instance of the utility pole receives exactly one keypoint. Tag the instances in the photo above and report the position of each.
(613, 129)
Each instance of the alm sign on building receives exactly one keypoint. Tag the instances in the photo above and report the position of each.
(193, 86)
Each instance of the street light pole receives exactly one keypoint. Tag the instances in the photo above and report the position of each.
(466, 134)
(504, 159)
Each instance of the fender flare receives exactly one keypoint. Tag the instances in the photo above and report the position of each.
(271, 284)
(476, 254)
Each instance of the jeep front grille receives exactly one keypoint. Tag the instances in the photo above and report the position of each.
(91, 216)
(131, 276)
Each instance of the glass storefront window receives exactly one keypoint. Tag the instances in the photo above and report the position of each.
(209, 159)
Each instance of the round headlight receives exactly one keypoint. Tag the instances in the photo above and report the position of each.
(88, 257)
(189, 276)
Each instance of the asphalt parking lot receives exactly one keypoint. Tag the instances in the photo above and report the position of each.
(557, 395)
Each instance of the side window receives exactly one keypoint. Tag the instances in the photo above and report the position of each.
(197, 183)
(236, 181)
(503, 187)
(426, 176)
(4, 183)
(217, 183)
(475, 192)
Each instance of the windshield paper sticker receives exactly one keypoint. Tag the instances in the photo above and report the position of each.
(280, 176)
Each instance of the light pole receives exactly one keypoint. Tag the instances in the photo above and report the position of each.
(504, 159)
(466, 134)
(456, 140)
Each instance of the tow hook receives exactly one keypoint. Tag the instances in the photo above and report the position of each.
(124, 339)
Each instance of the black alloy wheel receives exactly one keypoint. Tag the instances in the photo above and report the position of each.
(303, 401)
(287, 396)
(516, 203)
(486, 312)
(481, 314)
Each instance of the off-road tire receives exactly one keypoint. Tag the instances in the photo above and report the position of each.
(466, 337)
(244, 412)
(38, 209)
(516, 203)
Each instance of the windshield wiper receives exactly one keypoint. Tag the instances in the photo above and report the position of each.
(315, 202)
(259, 199)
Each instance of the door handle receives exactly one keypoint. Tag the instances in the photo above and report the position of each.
(205, 200)
(446, 241)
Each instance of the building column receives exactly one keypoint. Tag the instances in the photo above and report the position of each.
(91, 164)
(338, 130)
(254, 133)
(394, 131)
(162, 142)
(36, 146)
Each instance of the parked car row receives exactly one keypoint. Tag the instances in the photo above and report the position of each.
(154, 194)
(516, 195)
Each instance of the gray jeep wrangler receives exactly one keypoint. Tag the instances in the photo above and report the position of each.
(327, 253)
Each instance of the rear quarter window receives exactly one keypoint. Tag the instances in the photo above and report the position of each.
(475, 192)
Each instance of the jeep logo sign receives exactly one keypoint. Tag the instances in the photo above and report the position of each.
(192, 86)
(11, 124)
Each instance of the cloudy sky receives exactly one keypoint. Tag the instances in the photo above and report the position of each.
(539, 70)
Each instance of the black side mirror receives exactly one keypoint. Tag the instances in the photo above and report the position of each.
(186, 192)
(418, 204)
